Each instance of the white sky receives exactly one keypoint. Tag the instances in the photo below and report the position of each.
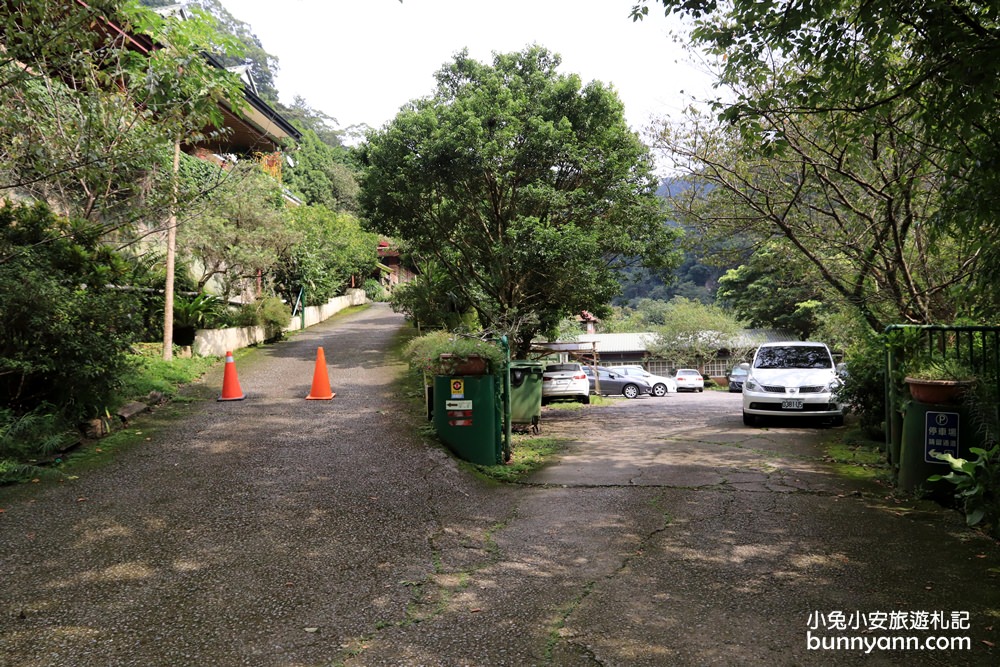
(361, 60)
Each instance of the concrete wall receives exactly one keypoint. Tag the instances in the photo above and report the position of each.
(216, 342)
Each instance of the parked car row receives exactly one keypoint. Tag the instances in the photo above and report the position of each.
(574, 381)
(784, 379)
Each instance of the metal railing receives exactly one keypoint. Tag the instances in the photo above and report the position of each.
(975, 347)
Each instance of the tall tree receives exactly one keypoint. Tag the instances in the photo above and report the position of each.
(320, 175)
(526, 187)
(776, 288)
(239, 231)
(854, 198)
(937, 59)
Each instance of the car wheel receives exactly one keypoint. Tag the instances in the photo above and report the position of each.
(749, 420)
(700, 390)
(585, 399)
(838, 420)
(659, 389)
(630, 391)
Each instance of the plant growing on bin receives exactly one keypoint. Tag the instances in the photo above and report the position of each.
(948, 370)
(442, 352)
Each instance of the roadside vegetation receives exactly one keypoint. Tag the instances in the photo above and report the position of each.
(840, 183)
(89, 192)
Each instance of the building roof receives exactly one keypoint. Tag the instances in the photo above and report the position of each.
(639, 343)
(619, 342)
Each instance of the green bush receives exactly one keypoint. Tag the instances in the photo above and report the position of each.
(374, 290)
(864, 385)
(65, 334)
(425, 352)
(274, 317)
(27, 438)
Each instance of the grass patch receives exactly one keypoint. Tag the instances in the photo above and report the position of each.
(153, 374)
(529, 453)
(856, 456)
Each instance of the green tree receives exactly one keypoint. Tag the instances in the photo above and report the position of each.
(65, 332)
(330, 248)
(525, 186)
(933, 62)
(690, 333)
(855, 198)
(775, 288)
(321, 175)
(238, 233)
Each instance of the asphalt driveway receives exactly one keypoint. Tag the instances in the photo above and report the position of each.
(280, 531)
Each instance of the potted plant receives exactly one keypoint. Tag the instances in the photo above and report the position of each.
(940, 381)
(444, 353)
(192, 314)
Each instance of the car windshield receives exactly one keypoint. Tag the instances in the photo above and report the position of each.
(739, 371)
(793, 356)
(687, 371)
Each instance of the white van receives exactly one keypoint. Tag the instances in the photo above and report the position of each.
(794, 379)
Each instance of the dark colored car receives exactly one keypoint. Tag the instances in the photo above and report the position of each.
(613, 383)
(737, 377)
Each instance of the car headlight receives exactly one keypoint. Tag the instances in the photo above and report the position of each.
(751, 384)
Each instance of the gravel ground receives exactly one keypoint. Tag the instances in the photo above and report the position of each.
(280, 531)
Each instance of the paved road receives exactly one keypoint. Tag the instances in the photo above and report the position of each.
(280, 531)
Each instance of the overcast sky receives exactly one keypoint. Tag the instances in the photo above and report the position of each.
(361, 60)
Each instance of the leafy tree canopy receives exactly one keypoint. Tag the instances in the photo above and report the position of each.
(774, 289)
(526, 187)
(85, 120)
(319, 174)
(934, 61)
(688, 333)
(330, 247)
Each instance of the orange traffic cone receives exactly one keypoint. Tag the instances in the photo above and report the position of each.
(231, 382)
(321, 380)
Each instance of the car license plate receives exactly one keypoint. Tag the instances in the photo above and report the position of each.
(791, 404)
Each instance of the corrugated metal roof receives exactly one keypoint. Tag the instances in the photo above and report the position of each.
(639, 342)
(618, 342)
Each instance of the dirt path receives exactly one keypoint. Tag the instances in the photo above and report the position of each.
(279, 531)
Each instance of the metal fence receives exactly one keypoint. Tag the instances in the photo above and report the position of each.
(975, 347)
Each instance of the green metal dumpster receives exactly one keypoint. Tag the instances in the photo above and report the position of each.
(526, 393)
(467, 417)
(933, 428)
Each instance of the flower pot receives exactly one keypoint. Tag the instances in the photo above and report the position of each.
(938, 392)
(470, 365)
(184, 335)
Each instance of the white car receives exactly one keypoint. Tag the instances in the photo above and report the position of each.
(661, 385)
(565, 381)
(688, 379)
(795, 379)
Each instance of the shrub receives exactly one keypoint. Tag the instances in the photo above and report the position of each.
(425, 352)
(64, 335)
(275, 315)
(374, 290)
(864, 385)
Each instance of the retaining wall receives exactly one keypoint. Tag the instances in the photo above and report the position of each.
(216, 342)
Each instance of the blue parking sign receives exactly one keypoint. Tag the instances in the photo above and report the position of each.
(940, 435)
